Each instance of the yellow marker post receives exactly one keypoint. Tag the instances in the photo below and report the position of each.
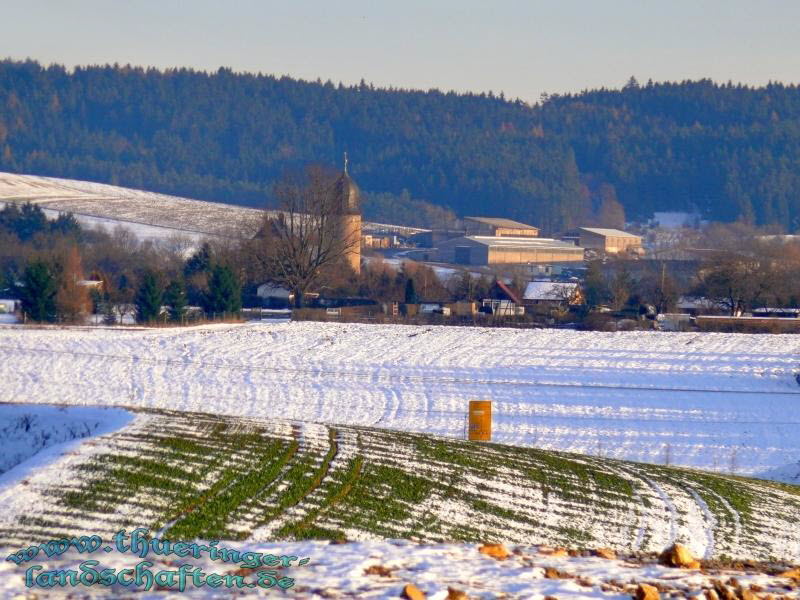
(480, 420)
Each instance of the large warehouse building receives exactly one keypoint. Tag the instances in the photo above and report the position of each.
(612, 241)
(493, 226)
(491, 250)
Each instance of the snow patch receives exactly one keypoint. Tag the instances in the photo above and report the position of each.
(26, 430)
(785, 473)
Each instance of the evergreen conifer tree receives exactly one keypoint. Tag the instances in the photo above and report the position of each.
(595, 288)
(224, 292)
(411, 292)
(199, 262)
(38, 292)
(148, 299)
(31, 221)
(65, 223)
(175, 298)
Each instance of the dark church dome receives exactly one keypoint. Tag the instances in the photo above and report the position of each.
(347, 194)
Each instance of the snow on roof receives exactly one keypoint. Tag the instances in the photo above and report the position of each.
(498, 222)
(779, 238)
(519, 242)
(549, 290)
(608, 232)
(688, 302)
(272, 289)
(788, 311)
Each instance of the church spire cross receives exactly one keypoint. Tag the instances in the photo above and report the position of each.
(345, 163)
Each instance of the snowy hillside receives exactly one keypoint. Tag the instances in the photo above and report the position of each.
(148, 214)
(199, 476)
(726, 402)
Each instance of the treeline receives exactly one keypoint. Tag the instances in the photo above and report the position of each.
(385, 207)
(64, 273)
(728, 151)
(228, 137)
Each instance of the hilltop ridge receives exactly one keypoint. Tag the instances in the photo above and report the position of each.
(727, 151)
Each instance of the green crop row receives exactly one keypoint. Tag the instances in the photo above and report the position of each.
(218, 505)
(338, 490)
(301, 484)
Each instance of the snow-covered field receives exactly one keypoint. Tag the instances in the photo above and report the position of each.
(194, 476)
(726, 402)
(64, 491)
(382, 570)
(148, 213)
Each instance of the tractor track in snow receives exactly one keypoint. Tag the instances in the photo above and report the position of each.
(372, 377)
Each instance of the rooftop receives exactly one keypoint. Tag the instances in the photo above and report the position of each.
(512, 295)
(549, 290)
(520, 242)
(347, 195)
(607, 232)
(498, 222)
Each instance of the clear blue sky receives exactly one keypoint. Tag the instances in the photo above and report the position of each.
(522, 48)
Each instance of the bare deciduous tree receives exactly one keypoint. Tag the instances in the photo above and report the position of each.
(306, 236)
(659, 288)
(565, 295)
(72, 298)
(620, 287)
(740, 280)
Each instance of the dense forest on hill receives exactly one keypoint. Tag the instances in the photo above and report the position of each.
(730, 152)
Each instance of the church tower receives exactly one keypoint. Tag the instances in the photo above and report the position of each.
(348, 213)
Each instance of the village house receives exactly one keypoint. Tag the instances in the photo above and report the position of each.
(377, 240)
(502, 301)
(92, 284)
(693, 305)
(542, 296)
(8, 308)
(274, 296)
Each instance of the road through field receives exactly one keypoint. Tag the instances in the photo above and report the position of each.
(721, 401)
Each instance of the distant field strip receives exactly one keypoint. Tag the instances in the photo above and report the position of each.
(724, 402)
(383, 377)
(197, 476)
